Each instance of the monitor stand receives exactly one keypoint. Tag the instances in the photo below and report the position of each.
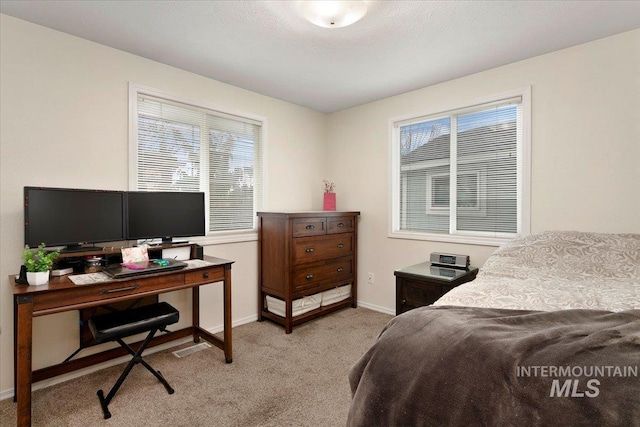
(170, 241)
(80, 248)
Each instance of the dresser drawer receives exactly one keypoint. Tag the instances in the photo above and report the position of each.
(310, 249)
(307, 277)
(105, 292)
(309, 227)
(341, 224)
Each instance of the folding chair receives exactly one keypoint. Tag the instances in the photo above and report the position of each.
(121, 324)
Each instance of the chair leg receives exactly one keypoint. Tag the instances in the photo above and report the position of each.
(158, 375)
(140, 360)
(137, 358)
(104, 404)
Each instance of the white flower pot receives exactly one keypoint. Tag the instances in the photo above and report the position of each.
(36, 278)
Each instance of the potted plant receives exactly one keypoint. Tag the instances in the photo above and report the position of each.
(38, 262)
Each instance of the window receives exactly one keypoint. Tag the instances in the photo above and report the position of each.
(438, 193)
(470, 193)
(178, 146)
(463, 175)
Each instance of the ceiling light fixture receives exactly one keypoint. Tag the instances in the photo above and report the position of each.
(332, 14)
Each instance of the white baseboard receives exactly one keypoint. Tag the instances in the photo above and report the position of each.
(8, 394)
(377, 308)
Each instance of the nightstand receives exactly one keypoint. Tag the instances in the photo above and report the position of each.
(422, 284)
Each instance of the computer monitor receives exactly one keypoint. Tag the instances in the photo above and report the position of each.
(72, 217)
(166, 215)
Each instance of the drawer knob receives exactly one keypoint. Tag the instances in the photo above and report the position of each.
(309, 276)
(341, 245)
(340, 269)
(205, 275)
(309, 250)
(310, 227)
(340, 225)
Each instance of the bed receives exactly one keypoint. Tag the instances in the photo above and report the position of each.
(547, 334)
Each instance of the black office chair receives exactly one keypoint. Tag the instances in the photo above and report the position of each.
(120, 324)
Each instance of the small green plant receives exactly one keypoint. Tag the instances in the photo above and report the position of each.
(38, 259)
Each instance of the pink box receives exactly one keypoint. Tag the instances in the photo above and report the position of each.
(329, 203)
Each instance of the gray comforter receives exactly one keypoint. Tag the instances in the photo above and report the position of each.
(465, 366)
(557, 270)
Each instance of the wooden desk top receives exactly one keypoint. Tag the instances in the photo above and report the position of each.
(61, 294)
(64, 283)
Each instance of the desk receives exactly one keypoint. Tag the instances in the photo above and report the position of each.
(60, 294)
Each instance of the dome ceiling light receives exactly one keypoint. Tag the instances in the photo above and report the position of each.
(332, 14)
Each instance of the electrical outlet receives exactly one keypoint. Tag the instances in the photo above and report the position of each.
(371, 278)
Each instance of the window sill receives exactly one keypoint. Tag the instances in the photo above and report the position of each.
(451, 238)
(223, 238)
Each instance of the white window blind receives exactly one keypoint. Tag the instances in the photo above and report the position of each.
(181, 147)
(460, 173)
(234, 163)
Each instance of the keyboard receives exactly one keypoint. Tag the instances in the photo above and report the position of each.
(120, 271)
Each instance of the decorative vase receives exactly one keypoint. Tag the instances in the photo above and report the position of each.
(37, 278)
(329, 202)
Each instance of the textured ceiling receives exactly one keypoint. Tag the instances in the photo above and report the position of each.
(266, 47)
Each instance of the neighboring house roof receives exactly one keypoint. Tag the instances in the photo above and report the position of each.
(494, 138)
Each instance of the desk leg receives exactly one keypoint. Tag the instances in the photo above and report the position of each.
(228, 348)
(195, 312)
(22, 353)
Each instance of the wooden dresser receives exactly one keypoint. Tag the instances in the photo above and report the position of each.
(303, 257)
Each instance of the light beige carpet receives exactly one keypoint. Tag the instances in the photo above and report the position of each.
(275, 379)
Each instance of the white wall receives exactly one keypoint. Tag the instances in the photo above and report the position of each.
(64, 123)
(585, 151)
